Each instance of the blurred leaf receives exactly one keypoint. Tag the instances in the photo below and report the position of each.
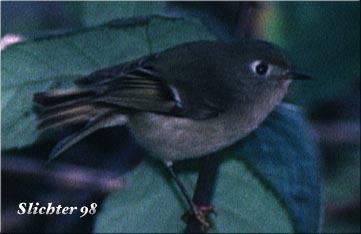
(96, 13)
(280, 153)
(342, 225)
(343, 183)
(283, 152)
(323, 38)
(152, 203)
(31, 17)
(52, 62)
(226, 19)
(223, 19)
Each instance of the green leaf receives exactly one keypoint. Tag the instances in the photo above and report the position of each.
(342, 188)
(343, 184)
(223, 23)
(283, 152)
(324, 41)
(282, 159)
(53, 61)
(152, 203)
(96, 13)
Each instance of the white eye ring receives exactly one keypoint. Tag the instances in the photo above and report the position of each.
(260, 68)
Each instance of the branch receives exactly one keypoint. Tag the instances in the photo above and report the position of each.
(204, 189)
(246, 13)
(337, 132)
(63, 174)
(343, 209)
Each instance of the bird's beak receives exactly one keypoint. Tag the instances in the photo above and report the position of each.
(295, 76)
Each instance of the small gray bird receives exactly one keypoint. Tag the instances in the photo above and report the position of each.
(187, 101)
(184, 102)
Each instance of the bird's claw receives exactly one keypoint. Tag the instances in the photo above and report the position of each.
(200, 213)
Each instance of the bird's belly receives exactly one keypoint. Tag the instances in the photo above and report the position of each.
(173, 138)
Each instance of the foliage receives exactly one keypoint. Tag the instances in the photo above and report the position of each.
(152, 202)
(324, 40)
(270, 182)
(282, 151)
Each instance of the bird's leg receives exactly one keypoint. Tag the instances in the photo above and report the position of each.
(169, 166)
(199, 212)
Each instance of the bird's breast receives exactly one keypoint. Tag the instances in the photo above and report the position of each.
(173, 138)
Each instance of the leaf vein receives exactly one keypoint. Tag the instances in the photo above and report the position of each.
(82, 52)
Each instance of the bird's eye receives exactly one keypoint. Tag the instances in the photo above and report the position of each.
(261, 68)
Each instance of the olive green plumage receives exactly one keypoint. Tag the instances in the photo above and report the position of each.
(187, 101)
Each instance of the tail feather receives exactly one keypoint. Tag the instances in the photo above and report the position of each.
(54, 97)
(48, 110)
(74, 138)
(103, 120)
(65, 107)
(66, 112)
(72, 115)
(59, 122)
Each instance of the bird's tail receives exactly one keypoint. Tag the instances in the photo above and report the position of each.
(78, 106)
(65, 107)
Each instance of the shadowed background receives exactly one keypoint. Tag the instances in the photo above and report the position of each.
(323, 39)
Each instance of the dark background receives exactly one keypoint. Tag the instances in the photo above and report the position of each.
(323, 39)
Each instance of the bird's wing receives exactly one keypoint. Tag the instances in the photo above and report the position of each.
(138, 86)
(105, 97)
(139, 68)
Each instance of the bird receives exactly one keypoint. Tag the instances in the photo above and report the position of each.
(185, 102)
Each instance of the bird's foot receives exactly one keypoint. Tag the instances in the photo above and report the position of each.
(200, 213)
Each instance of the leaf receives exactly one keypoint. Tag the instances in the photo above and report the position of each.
(333, 63)
(282, 159)
(342, 189)
(96, 13)
(283, 152)
(221, 18)
(224, 19)
(152, 203)
(342, 183)
(52, 62)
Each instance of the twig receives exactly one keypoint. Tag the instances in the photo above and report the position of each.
(204, 189)
(345, 208)
(245, 16)
(337, 132)
(63, 174)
